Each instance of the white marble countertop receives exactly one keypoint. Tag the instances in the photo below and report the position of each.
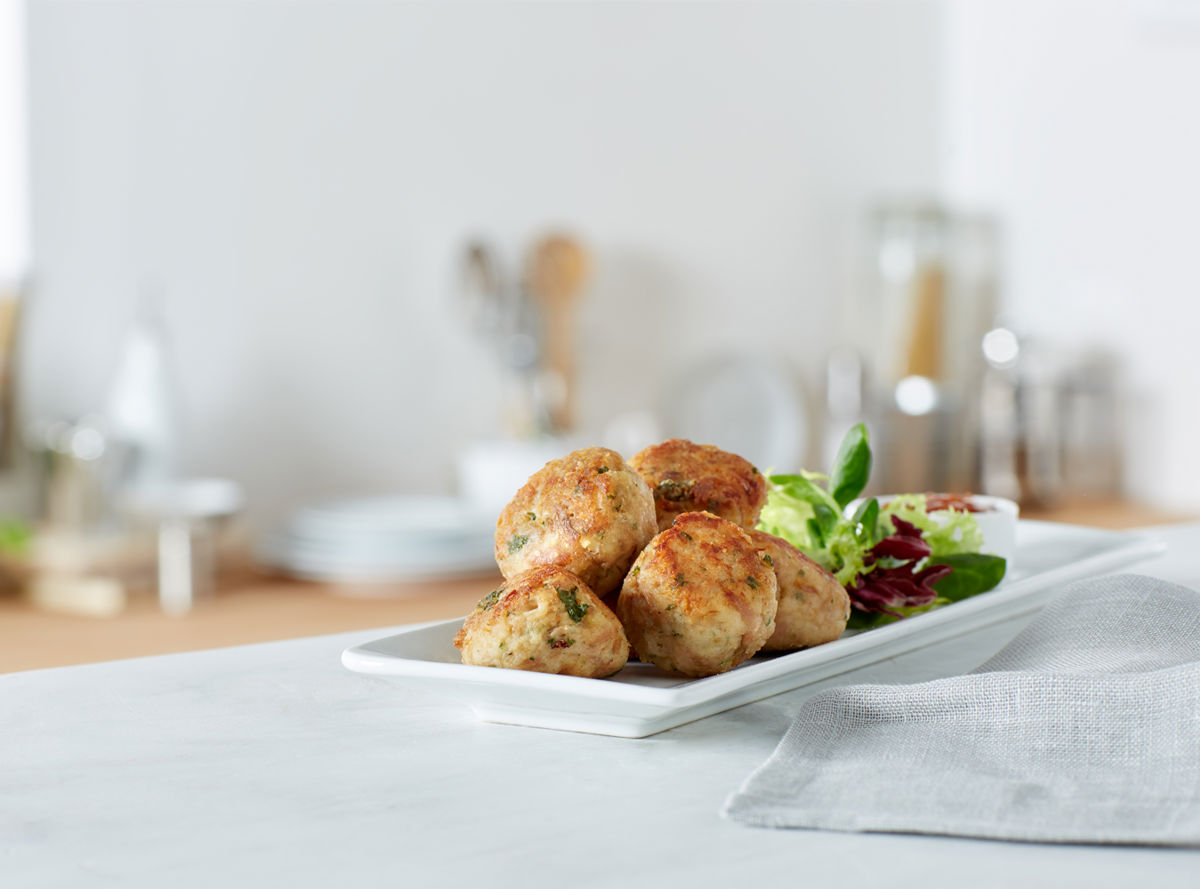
(273, 765)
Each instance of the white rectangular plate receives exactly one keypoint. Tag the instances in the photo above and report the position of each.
(641, 700)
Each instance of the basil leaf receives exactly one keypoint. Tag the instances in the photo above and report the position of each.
(864, 522)
(851, 466)
(816, 535)
(973, 573)
(825, 517)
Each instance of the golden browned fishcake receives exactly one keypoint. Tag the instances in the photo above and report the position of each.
(687, 477)
(700, 599)
(588, 512)
(547, 620)
(813, 606)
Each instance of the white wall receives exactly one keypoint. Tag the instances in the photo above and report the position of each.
(300, 175)
(14, 174)
(1079, 122)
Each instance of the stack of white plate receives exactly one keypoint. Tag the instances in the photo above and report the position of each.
(383, 539)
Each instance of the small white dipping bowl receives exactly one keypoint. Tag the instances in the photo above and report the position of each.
(996, 517)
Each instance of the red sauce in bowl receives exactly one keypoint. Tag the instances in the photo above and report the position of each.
(961, 502)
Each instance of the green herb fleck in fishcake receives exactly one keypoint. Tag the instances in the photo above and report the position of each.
(489, 600)
(575, 609)
(671, 489)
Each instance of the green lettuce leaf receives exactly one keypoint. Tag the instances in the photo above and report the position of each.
(948, 533)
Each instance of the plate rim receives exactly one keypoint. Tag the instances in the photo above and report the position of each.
(1006, 602)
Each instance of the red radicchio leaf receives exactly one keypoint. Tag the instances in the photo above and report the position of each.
(906, 543)
(900, 586)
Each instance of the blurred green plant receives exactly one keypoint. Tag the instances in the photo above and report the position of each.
(15, 536)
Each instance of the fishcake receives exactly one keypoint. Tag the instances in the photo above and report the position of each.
(813, 606)
(588, 512)
(688, 477)
(547, 620)
(700, 599)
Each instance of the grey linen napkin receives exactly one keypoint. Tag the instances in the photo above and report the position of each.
(1084, 729)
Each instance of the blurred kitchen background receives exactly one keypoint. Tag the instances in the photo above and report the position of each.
(308, 251)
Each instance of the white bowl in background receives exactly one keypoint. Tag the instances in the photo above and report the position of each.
(491, 472)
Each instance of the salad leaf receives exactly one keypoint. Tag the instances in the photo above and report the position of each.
(798, 509)
(895, 559)
(951, 531)
(804, 487)
(869, 620)
(851, 466)
(846, 554)
(897, 574)
(866, 521)
(973, 573)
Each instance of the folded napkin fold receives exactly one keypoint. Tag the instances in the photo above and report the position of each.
(1084, 729)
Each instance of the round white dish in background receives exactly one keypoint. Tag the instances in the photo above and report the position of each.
(383, 540)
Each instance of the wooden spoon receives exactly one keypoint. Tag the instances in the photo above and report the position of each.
(556, 273)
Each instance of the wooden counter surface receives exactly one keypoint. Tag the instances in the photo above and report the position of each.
(247, 608)
(251, 607)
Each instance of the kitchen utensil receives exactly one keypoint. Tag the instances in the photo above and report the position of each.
(526, 405)
(556, 272)
(505, 319)
(481, 291)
